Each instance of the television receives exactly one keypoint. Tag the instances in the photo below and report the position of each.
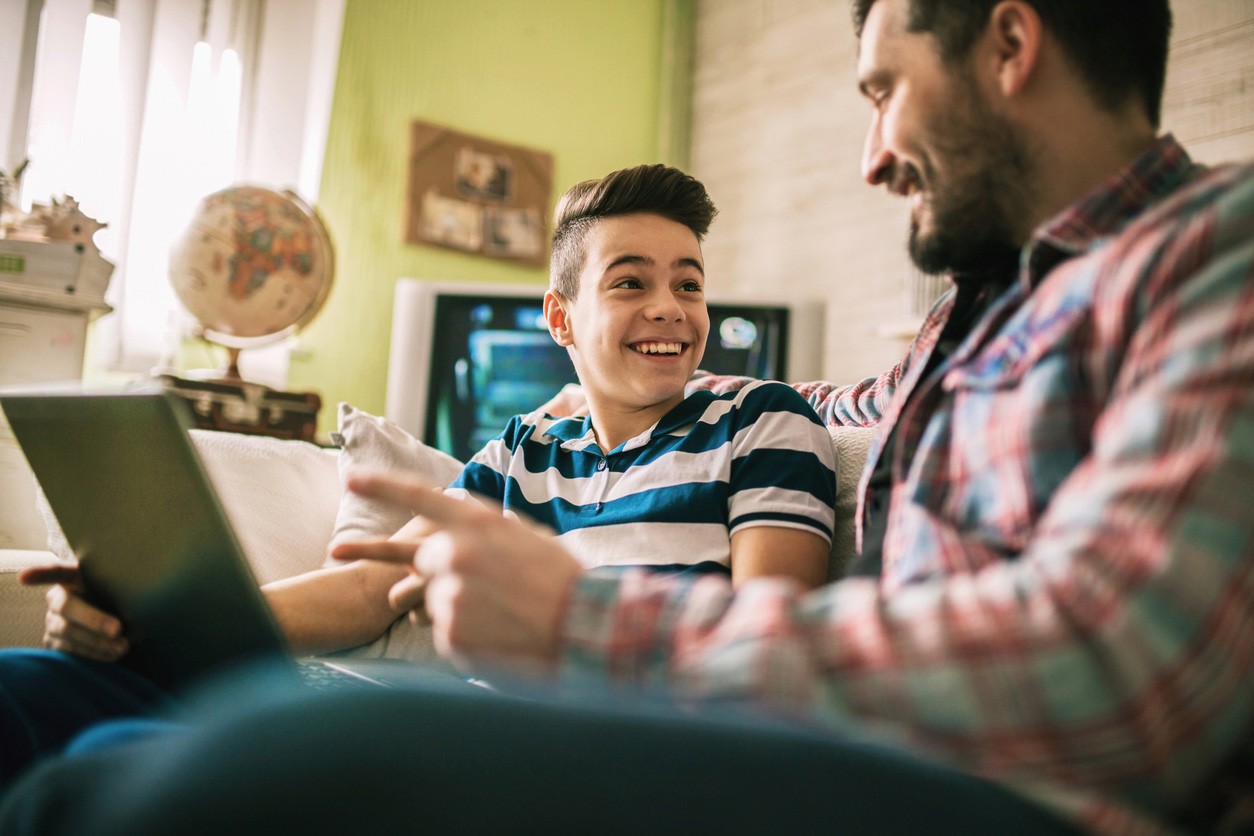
(465, 357)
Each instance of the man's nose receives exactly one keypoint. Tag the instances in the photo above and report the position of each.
(877, 161)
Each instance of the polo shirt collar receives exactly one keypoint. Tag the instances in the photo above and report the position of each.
(573, 434)
(576, 435)
(570, 429)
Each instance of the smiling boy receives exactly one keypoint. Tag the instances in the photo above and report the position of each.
(702, 484)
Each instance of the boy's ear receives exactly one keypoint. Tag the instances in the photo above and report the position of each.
(556, 317)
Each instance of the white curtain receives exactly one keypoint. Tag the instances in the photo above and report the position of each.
(144, 106)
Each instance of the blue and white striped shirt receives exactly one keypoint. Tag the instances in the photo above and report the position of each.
(673, 495)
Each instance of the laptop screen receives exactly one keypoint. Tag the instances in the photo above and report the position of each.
(153, 542)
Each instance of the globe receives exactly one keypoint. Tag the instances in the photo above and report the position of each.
(253, 267)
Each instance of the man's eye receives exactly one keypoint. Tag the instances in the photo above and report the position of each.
(691, 287)
(629, 284)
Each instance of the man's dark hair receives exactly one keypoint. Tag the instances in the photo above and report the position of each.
(654, 189)
(1119, 46)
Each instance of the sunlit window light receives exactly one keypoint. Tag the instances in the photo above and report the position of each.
(212, 122)
(199, 123)
(95, 159)
(134, 119)
(227, 103)
(197, 141)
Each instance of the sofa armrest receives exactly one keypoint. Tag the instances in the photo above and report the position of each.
(21, 607)
(852, 445)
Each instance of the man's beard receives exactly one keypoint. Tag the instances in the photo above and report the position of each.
(977, 206)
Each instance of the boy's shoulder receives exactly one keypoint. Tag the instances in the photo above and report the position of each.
(762, 395)
(744, 406)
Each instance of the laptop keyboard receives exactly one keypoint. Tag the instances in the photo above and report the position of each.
(324, 678)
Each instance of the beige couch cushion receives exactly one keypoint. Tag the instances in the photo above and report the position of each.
(280, 496)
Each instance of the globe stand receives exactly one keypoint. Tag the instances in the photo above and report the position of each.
(231, 373)
(227, 374)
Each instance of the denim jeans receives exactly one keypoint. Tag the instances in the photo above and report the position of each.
(47, 699)
(256, 756)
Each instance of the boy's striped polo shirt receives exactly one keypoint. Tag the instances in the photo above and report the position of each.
(673, 495)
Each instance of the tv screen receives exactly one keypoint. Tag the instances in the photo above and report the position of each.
(492, 358)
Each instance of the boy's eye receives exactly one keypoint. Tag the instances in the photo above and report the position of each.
(691, 287)
(629, 284)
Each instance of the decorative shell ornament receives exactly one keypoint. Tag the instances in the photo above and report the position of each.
(49, 255)
(63, 221)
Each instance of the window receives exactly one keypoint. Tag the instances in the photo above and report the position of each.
(138, 108)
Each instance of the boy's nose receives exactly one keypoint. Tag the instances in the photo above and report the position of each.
(665, 307)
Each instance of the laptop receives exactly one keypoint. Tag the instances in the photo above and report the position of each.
(153, 542)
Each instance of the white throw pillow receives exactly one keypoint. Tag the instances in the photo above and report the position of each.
(370, 443)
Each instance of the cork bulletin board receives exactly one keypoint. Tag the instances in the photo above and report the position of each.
(478, 196)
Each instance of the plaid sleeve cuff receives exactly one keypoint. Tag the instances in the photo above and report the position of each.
(588, 627)
(621, 625)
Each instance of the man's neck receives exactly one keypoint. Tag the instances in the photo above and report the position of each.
(1076, 161)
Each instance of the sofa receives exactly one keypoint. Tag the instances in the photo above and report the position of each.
(286, 502)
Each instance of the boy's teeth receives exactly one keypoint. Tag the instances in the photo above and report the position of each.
(659, 348)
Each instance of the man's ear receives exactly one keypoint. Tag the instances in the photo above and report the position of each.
(557, 318)
(1014, 41)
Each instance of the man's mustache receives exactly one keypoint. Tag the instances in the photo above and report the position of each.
(903, 177)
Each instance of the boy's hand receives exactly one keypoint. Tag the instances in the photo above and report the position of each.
(72, 625)
(406, 595)
(495, 589)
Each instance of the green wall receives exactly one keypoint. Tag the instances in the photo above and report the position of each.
(591, 81)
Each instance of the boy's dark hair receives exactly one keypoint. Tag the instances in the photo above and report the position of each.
(655, 189)
(1119, 46)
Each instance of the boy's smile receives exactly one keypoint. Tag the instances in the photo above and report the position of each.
(636, 332)
(659, 348)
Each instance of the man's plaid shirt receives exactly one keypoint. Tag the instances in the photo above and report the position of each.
(1067, 601)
